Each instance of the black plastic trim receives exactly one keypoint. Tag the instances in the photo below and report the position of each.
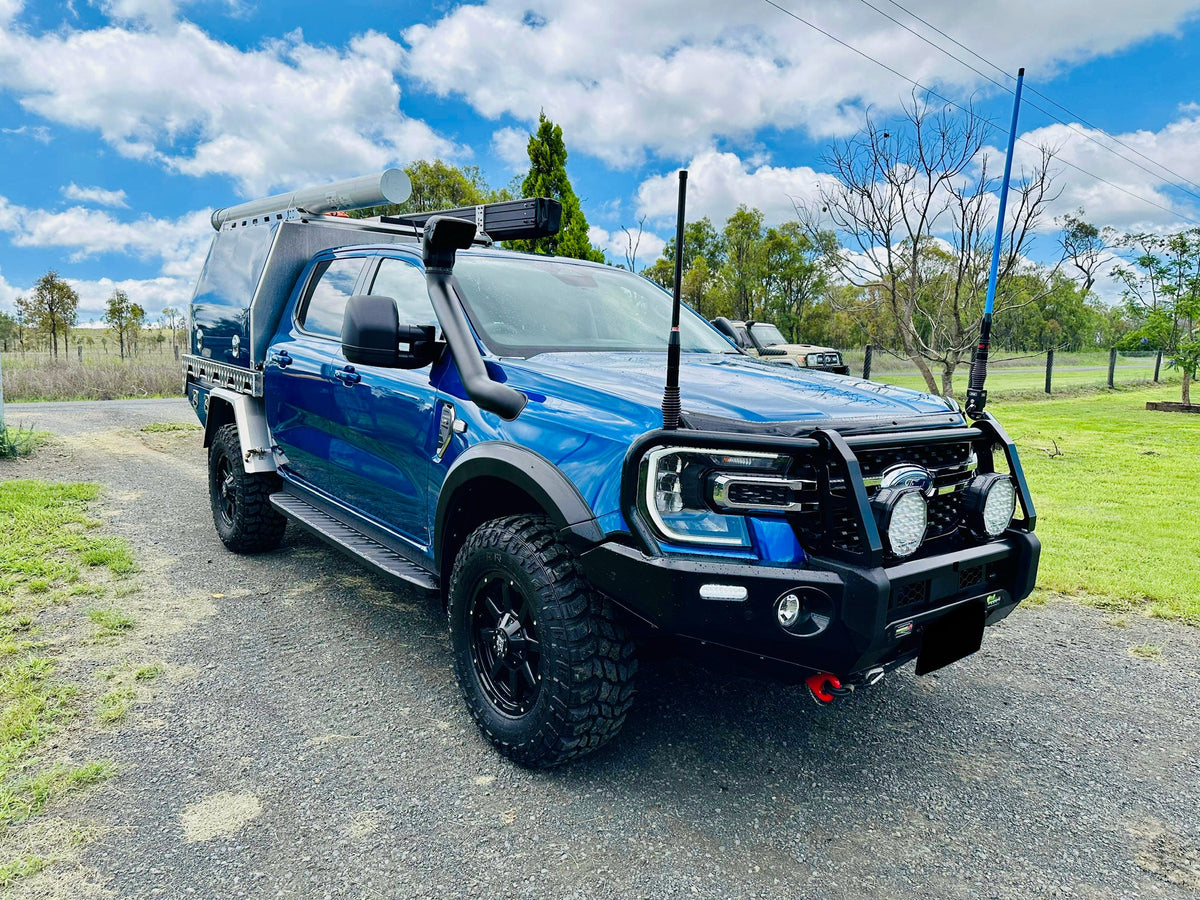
(530, 472)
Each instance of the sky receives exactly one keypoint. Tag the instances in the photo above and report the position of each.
(123, 123)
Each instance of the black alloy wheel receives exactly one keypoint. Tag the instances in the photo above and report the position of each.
(504, 644)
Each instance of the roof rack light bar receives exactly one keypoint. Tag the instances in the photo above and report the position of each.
(507, 220)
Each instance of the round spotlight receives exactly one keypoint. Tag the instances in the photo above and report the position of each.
(989, 502)
(901, 514)
(788, 610)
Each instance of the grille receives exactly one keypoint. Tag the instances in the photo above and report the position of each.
(760, 494)
(968, 578)
(875, 461)
(911, 594)
(943, 515)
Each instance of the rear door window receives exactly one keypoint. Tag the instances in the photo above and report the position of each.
(331, 287)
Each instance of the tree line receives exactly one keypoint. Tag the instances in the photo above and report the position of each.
(44, 319)
(894, 251)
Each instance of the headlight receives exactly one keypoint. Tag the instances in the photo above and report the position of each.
(901, 514)
(989, 503)
(686, 492)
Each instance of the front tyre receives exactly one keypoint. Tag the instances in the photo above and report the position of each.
(546, 669)
(242, 512)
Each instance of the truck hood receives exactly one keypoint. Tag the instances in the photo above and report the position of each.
(728, 391)
(800, 349)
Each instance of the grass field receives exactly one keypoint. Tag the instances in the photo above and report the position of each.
(1117, 510)
(99, 376)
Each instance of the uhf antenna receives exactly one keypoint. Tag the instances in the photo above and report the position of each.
(976, 395)
(670, 403)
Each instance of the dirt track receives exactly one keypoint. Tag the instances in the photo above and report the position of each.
(309, 742)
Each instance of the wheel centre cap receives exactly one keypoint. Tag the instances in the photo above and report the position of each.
(500, 642)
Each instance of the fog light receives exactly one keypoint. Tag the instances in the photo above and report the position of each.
(989, 503)
(901, 514)
(788, 610)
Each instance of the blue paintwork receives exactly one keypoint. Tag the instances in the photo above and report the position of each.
(372, 444)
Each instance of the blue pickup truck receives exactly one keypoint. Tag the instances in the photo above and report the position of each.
(485, 426)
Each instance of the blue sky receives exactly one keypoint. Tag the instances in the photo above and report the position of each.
(124, 122)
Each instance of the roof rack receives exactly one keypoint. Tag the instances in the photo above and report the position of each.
(506, 220)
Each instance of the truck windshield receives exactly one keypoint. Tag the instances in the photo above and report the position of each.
(522, 306)
(768, 335)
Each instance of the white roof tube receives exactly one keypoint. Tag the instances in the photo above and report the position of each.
(390, 186)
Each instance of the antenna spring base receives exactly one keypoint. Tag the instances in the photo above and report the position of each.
(671, 408)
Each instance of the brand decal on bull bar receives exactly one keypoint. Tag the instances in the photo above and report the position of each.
(908, 475)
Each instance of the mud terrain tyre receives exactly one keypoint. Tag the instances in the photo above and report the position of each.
(245, 520)
(546, 668)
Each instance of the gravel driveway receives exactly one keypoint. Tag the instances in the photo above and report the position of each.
(310, 742)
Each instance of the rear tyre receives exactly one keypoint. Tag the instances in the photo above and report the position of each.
(245, 520)
(546, 668)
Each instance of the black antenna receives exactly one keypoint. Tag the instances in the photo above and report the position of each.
(670, 403)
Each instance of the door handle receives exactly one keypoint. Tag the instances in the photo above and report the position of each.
(348, 376)
(283, 358)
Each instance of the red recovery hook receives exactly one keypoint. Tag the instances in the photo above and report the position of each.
(816, 686)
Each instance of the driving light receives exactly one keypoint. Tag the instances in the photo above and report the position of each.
(901, 514)
(989, 503)
(788, 610)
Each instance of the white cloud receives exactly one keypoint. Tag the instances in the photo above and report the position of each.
(511, 146)
(1120, 202)
(179, 245)
(39, 133)
(96, 195)
(153, 12)
(719, 182)
(283, 115)
(670, 76)
(8, 292)
(618, 244)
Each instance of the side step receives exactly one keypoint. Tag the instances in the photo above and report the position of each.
(354, 542)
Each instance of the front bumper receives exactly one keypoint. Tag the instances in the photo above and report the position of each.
(854, 617)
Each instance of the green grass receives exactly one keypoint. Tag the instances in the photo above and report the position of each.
(48, 543)
(147, 673)
(155, 427)
(16, 442)
(114, 706)
(110, 621)
(22, 867)
(1117, 510)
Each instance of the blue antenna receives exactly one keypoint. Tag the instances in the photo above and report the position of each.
(976, 395)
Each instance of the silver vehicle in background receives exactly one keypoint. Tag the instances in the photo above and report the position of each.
(766, 341)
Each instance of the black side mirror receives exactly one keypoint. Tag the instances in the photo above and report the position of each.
(372, 335)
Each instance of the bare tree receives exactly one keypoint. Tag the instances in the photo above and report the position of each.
(632, 242)
(915, 210)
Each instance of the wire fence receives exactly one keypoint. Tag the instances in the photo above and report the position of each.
(1046, 372)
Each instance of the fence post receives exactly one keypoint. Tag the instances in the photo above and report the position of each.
(867, 362)
(1049, 367)
(79, 351)
(1112, 365)
(176, 349)
(1157, 365)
